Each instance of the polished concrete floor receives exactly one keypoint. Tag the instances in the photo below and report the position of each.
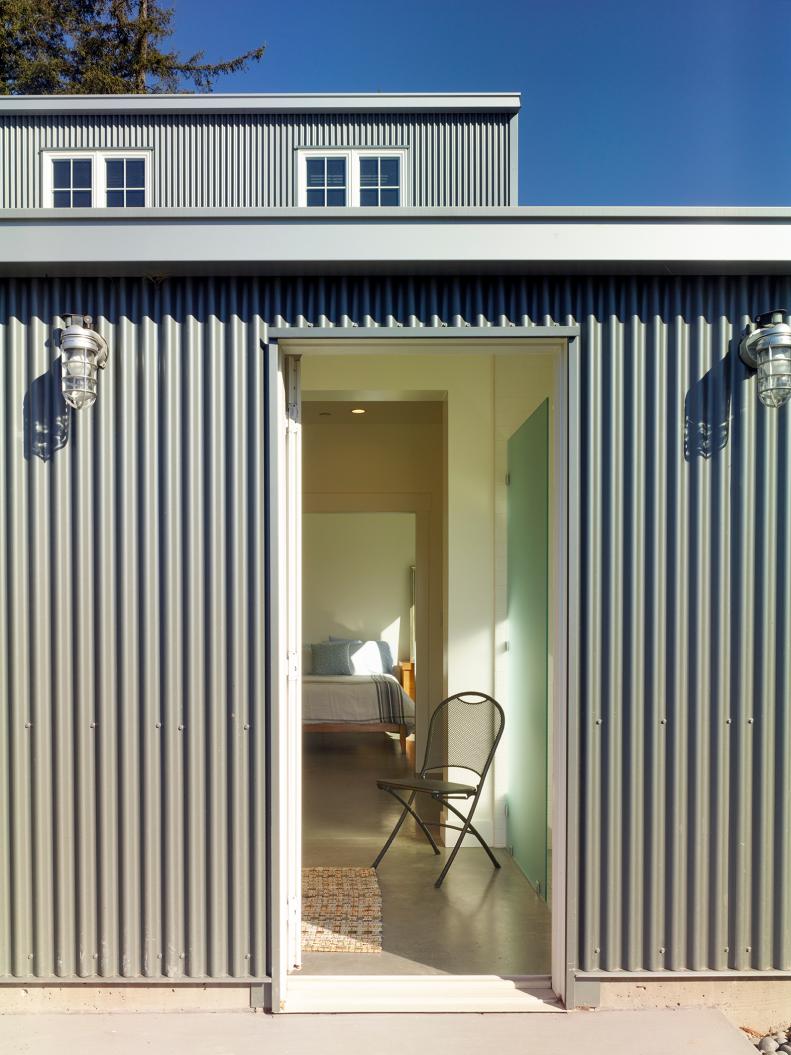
(481, 921)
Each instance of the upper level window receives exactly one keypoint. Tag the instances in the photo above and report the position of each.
(364, 177)
(326, 181)
(126, 182)
(85, 179)
(380, 181)
(72, 183)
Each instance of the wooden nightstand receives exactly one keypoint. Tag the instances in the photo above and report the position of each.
(408, 677)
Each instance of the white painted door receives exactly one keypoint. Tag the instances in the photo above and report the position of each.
(285, 656)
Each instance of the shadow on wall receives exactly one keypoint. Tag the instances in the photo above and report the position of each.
(707, 409)
(46, 415)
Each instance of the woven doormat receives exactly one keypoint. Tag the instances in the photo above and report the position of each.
(341, 910)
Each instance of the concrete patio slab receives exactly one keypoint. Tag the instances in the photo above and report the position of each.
(667, 1032)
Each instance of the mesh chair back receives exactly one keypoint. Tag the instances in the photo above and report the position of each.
(463, 733)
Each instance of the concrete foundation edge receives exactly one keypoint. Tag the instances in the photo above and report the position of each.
(761, 1005)
(37, 999)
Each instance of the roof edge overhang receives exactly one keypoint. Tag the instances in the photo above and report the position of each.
(279, 103)
(407, 241)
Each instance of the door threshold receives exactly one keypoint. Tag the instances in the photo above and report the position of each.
(416, 993)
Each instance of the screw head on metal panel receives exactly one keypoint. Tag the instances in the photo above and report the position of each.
(661, 950)
(181, 728)
(157, 725)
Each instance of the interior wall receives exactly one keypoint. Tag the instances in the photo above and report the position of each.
(356, 577)
(361, 467)
(488, 394)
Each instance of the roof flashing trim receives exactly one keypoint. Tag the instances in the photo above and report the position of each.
(297, 102)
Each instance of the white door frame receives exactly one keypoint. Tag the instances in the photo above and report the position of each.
(285, 658)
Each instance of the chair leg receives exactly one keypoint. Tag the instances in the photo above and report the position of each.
(473, 831)
(407, 809)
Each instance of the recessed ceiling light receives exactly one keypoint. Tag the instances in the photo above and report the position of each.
(358, 410)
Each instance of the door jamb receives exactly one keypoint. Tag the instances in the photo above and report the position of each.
(566, 679)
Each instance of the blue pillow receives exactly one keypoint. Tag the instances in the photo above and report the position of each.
(385, 653)
(331, 658)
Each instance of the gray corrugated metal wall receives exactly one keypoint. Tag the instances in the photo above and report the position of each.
(248, 161)
(132, 628)
(684, 605)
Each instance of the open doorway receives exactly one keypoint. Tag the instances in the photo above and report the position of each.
(457, 454)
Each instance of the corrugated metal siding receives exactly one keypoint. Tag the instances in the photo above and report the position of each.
(249, 161)
(684, 603)
(132, 629)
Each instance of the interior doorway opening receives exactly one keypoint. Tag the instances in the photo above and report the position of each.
(457, 454)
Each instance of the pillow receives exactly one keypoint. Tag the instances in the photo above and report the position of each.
(331, 658)
(369, 657)
(307, 659)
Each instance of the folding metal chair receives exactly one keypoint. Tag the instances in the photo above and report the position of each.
(463, 733)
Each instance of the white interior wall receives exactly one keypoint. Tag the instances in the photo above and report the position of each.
(356, 579)
(486, 391)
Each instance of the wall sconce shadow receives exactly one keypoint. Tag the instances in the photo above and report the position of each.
(46, 416)
(707, 411)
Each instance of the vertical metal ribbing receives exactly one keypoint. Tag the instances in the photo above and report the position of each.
(195, 667)
(7, 804)
(221, 715)
(765, 718)
(591, 679)
(257, 637)
(105, 639)
(171, 577)
(150, 706)
(82, 626)
(634, 636)
(781, 900)
(245, 161)
(691, 547)
(129, 554)
(17, 499)
(41, 680)
(238, 688)
(743, 643)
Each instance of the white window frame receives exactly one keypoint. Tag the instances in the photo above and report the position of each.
(99, 169)
(352, 156)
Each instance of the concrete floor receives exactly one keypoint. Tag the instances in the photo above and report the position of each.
(681, 1032)
(481, 921)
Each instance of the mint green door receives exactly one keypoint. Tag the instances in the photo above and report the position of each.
(528, 620)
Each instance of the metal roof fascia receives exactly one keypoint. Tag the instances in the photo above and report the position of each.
(332, 245)
(298, 102)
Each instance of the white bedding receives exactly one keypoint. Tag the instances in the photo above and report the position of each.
(356, 699)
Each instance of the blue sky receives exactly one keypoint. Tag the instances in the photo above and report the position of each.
(655, 102)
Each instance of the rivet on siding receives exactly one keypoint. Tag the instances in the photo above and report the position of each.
(247, 955)
(246, 726)
(726, 949)
(159, 955)
(728, 721)
(598, 721)
(181, 728)
(749, 948)
(663, 721)
(596, 951)
(661, 950)
(92, 725)
(157, 725)
(28, 725)
(181, 955)
(232, 715)
(749, 721)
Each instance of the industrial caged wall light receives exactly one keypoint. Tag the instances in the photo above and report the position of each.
(83, 352)
(766, 347)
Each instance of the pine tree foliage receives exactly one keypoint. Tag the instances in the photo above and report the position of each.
(99, 47)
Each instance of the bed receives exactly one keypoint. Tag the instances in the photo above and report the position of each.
(365, 703)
